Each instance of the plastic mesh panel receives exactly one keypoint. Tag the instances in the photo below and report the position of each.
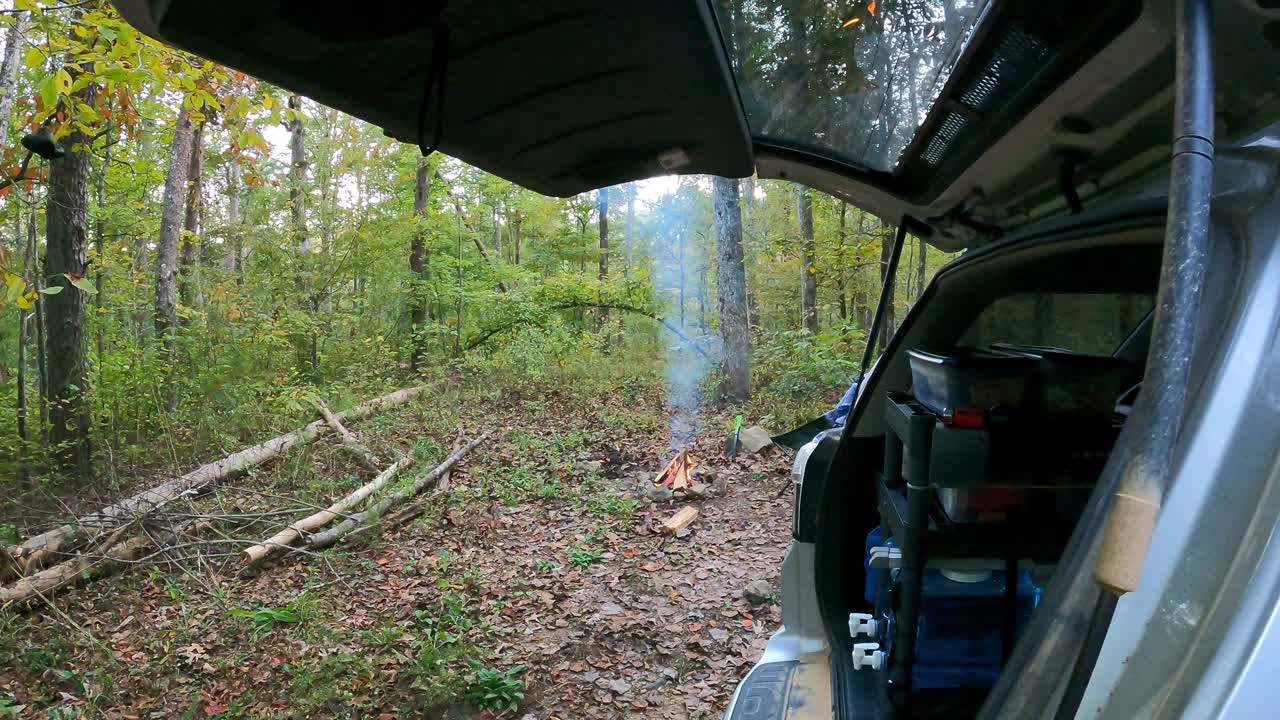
(951, 126)
(1017, 56)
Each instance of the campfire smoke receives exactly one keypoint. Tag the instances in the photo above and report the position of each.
(679, 276)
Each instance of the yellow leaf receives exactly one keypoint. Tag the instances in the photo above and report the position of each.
(28, 301)
(62, 80)
(35, 58)
(27, 5)
(15, 284)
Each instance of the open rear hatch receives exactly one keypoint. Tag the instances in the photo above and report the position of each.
(975, 117)
(561, 97)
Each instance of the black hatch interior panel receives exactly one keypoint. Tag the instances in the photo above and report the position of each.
(560, 97)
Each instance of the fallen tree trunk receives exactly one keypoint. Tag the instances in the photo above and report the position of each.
(87, 567)
(349, 442)
(404, 514)
(315, 521)
(41, 549)
(346, 527)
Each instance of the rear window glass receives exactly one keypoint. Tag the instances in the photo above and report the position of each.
(852, 79)
(1093, 323)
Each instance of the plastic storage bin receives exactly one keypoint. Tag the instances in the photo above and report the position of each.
(1071, 385)
(970, 378)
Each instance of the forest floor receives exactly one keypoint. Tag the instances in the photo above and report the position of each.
(543, 564)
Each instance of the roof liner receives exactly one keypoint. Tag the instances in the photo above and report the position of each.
(561, 97)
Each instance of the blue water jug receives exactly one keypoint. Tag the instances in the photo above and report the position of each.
(960, 632)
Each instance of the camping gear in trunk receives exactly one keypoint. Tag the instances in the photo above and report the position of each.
(1072, 385)
(970, 379)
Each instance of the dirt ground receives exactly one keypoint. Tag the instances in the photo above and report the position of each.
(543, 563)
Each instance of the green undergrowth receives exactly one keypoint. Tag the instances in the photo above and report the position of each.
(293, 651)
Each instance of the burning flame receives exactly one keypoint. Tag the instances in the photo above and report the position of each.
(678, 474)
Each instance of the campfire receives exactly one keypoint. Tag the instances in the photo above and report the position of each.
(678, 474)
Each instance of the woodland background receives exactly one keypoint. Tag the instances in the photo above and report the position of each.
(191, 260)
(213, 250)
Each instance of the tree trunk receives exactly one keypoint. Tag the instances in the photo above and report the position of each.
(189, 242)
(920, 267)
(842, 278)
(602, 199)
(22, 395)
(516, 223)
(315, 521)
(418, 265)
(475, 238)
(497, 231)
(297, 177)
(1042, 314)
(86, 567)
(341, 530)
(21, 361)
(731, 289)
(9, 73)
(808, 264)
(175, 183)
(99, 244)
(38, 550)
(629, 232)
(32, 266)
(233, 219)
(307, 347)
(362, 454)
(861, 297)
(66, 254)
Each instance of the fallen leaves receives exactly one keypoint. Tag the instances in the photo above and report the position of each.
(657, 626)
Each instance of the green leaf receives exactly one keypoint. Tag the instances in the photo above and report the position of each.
(35, 58)
(82, 283)
(51, 290)
(48, 92)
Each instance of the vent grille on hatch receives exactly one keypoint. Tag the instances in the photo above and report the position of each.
(1015, 59)
(951, 126)
(1017, 56)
